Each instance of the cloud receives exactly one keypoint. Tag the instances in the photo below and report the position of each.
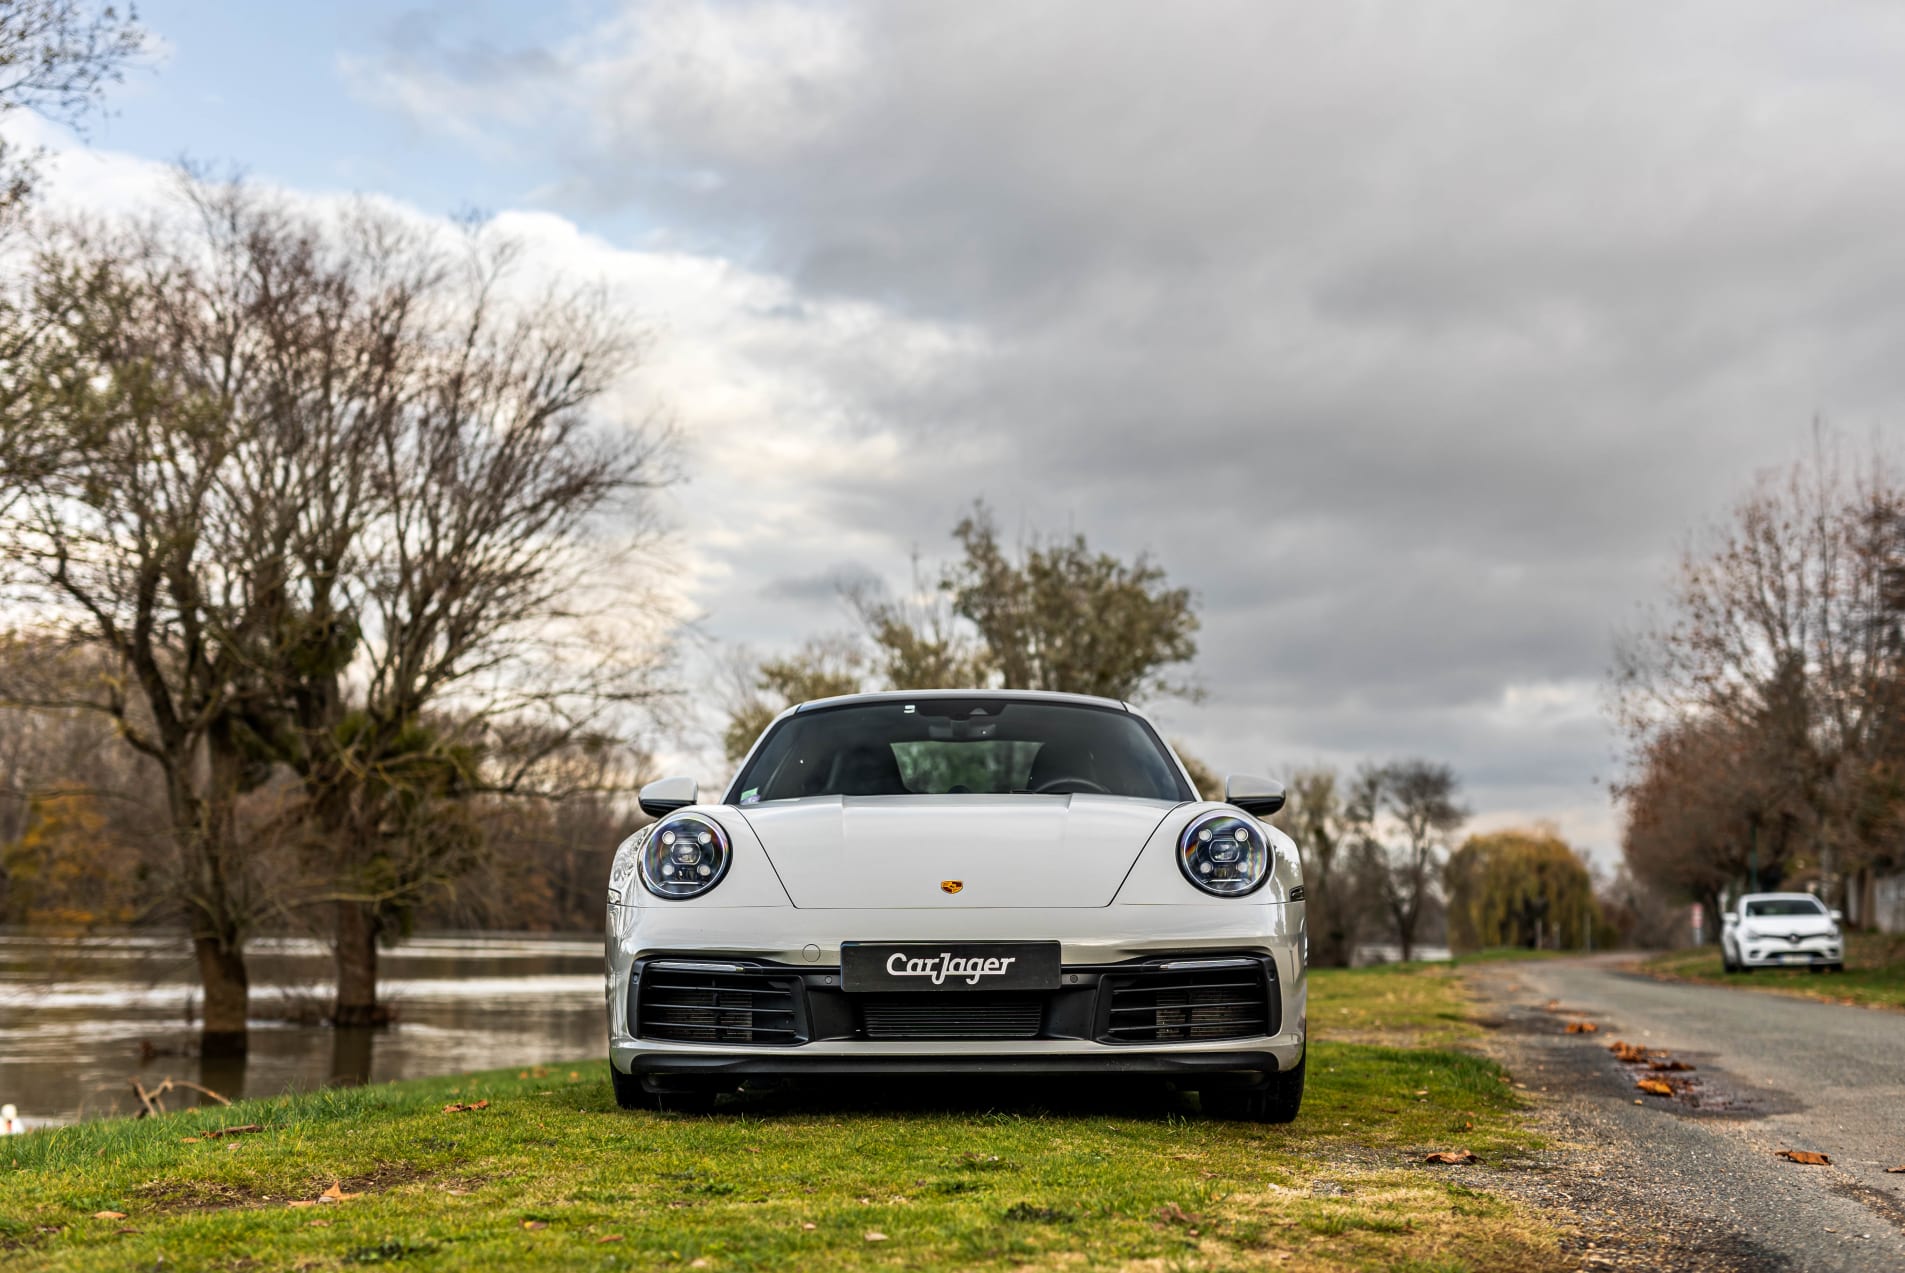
(1412, 336)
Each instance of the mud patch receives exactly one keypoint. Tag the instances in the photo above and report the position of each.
(199, 1195)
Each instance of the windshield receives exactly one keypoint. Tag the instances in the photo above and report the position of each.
(1785, 906)
(975, 746)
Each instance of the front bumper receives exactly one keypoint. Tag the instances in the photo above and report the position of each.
(1780, 952)
(833, 1039)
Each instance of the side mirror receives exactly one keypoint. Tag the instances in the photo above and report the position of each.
(1730, 918)
(1259, 797)
(1838, 917)
(663, 797)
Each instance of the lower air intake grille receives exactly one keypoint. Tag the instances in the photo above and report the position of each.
(953, 1016)
(1232, 999)
(674, 1000)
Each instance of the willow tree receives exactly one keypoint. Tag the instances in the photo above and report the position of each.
(1524, 888)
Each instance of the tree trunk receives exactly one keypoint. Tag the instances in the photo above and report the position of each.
(221, 971)
(357, 928)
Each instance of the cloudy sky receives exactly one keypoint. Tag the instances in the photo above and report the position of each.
(1414, 337)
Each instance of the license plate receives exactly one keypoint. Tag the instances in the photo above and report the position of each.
(1797, 959)
(919, 966)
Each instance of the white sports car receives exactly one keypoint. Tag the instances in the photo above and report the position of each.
(1767, 930)
(960, 881)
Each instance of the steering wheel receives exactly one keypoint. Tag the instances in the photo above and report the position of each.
(1045, 788)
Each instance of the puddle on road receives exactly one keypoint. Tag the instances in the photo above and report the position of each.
(1585, 1061)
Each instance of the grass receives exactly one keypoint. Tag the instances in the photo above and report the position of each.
(1874, 975)
(552, 1176)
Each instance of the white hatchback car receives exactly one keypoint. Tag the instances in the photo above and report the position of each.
(974, 882)
(1769, 930)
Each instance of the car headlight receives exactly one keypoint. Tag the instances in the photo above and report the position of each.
(1750, 933)
(685, 857)
(622, 869)
(1224, 855)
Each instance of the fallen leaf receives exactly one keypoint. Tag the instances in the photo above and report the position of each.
(460, 1108)
(606, 1237)
(1805, 1156)
(109, 1215)
(336, 1194)
(1896, 1171)
(1582, 1027)
(188, 1140)
(1668, 1065)
(701, 1262)
(1171, 1213)
(535, 1224)
(874, 1235)
(1654, 1087)
(301, 1202)
(1553, 1005)
(1628, 1053)
(811, 1225)
(317, 1224)
(1453, 1156)
(1422, 1091)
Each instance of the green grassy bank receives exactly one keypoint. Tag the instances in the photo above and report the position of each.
(1874, 973)
(550, 1175)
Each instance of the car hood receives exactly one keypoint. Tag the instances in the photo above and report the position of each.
(887, 852)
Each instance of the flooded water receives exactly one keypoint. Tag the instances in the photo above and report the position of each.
(79, 1020)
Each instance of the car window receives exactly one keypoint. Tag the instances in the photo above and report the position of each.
(977, 746)
(1772, 906)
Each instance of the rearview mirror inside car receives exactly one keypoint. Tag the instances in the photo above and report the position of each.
(663, 797)
(1260, 797)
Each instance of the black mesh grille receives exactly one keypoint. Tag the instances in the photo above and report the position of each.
(1158, 1005)
(700, 1006)
(953, 1016)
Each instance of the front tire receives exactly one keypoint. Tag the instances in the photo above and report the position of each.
(629, 1092)
(1274, 1100)
(686, 1102)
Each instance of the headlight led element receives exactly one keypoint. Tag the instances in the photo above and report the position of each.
(685, 857)
(1224, 855)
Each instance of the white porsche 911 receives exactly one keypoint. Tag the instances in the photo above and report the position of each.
(962, 881)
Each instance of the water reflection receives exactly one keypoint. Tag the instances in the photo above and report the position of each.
(79, 1021)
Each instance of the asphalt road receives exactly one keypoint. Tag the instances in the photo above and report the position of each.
(1694, 1181)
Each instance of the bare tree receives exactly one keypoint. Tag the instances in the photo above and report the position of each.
(1419, 797)
(56, 57)
(152, 370)
(464, 612)
(1782, 627)
(329, 494)
(1331, 822)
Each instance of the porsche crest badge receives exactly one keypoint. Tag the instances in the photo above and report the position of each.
(951, 886)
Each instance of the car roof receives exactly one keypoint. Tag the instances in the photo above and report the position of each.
(1761, 897)
(914, 696)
